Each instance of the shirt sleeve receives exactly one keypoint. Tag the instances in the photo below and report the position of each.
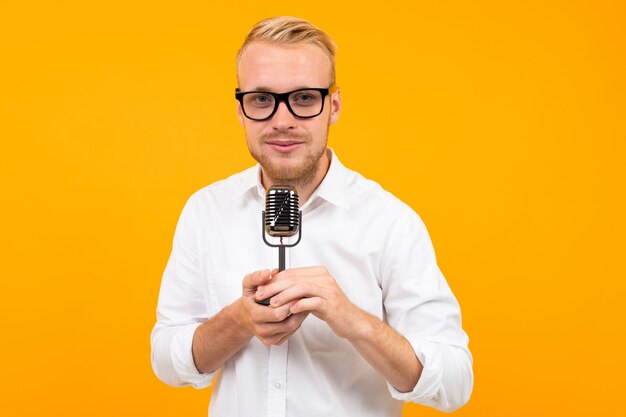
(180, 310)
(420, 305)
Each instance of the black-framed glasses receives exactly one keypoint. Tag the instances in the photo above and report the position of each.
(303, 103)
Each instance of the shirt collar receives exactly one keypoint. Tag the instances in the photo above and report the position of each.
(333, 188)
(251, 179)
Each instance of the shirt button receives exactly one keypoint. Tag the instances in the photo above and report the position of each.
(278, 385)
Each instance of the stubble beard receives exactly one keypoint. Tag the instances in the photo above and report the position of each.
(297, 176)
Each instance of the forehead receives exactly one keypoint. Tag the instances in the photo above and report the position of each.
(282, 68)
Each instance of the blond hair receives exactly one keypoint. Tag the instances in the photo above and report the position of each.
(290, 31)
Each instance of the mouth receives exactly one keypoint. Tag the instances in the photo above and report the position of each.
(284, 145)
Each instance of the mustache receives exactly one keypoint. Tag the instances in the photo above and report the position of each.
(283, 135)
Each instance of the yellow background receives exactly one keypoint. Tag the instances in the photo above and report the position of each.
(501, 123)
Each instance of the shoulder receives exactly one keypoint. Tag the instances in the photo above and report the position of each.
(225, 188)
(365, 192)
(385, 216)
(218, 195)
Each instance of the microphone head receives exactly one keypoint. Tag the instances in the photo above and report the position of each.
(282, 211)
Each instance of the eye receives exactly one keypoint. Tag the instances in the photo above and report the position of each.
(259, 99)
(304, 98)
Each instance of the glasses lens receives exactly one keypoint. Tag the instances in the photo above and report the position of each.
(306, 103)
(258, 105)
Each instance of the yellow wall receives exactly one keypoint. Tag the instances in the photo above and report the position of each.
(501, 123)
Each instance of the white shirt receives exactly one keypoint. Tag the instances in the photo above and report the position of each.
(378, 250)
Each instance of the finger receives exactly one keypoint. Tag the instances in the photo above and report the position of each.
(306, 305)
(298, 318)
(279, 314)
(253, 280)
(295, 321)
(278, 329)
(282, 339)
(259, 289)
(300, 290)
(273, 287)
(261, 314)
(277, 286)
(307, 271)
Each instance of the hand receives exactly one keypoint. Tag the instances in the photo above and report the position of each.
(271, 325)
(313, 289)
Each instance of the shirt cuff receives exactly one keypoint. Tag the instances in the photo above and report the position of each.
(182, 358)
(427, 388)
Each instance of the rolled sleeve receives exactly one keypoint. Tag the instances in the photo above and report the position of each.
(181, 309)
(421, 307)
(446, 381)
(182, 358)
(172, 357)
(429, 383)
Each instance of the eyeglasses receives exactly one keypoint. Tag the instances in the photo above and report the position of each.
(303, 103)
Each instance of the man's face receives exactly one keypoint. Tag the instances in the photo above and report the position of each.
(287, 147)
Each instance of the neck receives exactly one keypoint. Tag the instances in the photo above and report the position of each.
(305, 186)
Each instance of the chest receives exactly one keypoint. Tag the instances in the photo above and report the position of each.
(348, 246)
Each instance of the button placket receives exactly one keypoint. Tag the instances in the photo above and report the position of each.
(277, 401)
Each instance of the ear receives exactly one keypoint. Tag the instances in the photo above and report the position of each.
(335, 106)
(240, 113)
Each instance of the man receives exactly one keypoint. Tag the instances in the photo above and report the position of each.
(360, 321)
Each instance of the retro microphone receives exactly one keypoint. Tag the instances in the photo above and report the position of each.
(282, 218)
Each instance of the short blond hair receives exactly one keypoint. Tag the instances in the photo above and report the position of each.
(289, 30)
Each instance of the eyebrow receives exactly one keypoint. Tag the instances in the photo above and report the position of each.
(271, 90)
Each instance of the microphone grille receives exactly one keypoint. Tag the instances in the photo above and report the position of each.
(282, 211)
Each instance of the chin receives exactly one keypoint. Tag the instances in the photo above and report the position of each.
(284, 171)
(287, 166)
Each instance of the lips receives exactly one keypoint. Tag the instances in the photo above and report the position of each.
(284, 145)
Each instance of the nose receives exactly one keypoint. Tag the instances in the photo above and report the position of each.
(283, 119)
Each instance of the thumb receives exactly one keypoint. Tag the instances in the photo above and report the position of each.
(252, 281)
